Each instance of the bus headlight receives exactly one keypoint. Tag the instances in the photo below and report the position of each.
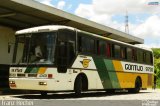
(12, 82)
(42, 83)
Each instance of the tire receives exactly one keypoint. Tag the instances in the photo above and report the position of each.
(43, 93)
(137, 86)
(78, 86)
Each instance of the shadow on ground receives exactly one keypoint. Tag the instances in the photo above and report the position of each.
(70, 95)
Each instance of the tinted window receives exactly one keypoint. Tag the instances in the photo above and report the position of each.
(129, 54)
(116, 51)
(108, 46)
(123, 53)
(134, 54)
(86, 44)
(144, 57)
(102, 47)
(139, 56)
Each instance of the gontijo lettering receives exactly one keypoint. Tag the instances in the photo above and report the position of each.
(133, 67)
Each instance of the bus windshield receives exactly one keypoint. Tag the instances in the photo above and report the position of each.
(35, 48)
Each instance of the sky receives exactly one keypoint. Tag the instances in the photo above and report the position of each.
(143, 15)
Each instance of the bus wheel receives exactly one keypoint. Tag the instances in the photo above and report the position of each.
(78, 86)
(43, 93)
(137, 86)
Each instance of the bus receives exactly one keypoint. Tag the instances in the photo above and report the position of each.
(58, 58)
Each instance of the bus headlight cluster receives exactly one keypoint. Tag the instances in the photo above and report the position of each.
(42, 83)
(12, 75)
(12, 82)
(43, 75)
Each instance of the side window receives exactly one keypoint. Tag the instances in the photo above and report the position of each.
(116, 51)
(79, 44)
(102, 47)
(148, 58)
(123, 53)
(129, 54)
(108, 50)
(113, 51)
(151, 58)
(92, 46)
(144, 56)
(134, 54)
(139, 56)
(86, 44)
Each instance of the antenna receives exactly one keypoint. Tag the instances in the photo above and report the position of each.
(126, 23)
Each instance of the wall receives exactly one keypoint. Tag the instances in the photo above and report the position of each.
(6, 37)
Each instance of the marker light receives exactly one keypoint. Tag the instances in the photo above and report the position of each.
(12, 84)
(50, 75)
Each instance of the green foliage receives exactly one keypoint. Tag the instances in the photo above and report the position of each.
(158, 83)
(156, 52)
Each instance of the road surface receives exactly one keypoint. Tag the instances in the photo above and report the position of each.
(144, 98)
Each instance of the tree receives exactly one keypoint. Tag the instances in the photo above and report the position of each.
(156, 52)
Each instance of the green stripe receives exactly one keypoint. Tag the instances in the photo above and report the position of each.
(107, 73)
(103, 74)
(32, 70)
(28, 70)
(112, 73)
(35, 70)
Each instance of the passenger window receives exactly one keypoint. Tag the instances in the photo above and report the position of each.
(148, 58)
(151, 58)
(144, 57)
(86, 45)
(129, 54)
(140, 56)
(108, 48)
(134, 55)
(116, 51)
(102, 48)
(123, 53)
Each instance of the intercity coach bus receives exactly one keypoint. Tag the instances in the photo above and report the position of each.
(60, 58)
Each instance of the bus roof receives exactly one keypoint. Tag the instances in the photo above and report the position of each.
(50, 28)
(47, 28)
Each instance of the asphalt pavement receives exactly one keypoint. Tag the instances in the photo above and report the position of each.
(144, 98)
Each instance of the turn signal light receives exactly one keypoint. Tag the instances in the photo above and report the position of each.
(50, 76)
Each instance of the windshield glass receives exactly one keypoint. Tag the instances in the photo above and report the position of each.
(36, 48)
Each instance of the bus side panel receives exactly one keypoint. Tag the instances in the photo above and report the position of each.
(107, 74)
(150, 82)
(113, 76)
